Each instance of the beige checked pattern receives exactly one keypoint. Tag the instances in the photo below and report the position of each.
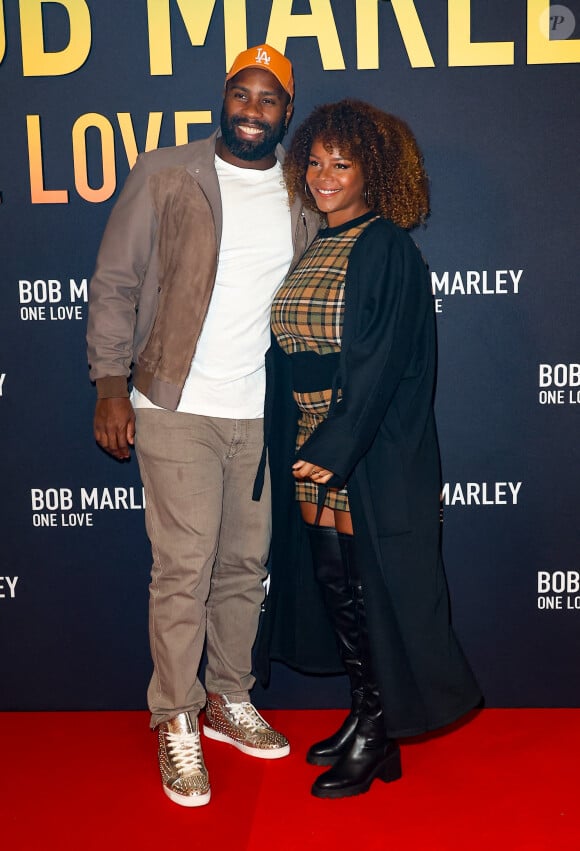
(307, 315)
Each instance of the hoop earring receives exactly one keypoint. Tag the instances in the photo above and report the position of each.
(366, 196)
(307, 191)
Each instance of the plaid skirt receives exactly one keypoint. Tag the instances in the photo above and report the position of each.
(313, 409)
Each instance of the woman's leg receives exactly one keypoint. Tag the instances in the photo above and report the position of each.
(369, 754)
(340, 604)
(339, 520)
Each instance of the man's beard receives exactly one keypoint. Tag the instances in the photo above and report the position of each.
(245, 149)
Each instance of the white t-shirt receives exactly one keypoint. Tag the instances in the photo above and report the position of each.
(227, 375)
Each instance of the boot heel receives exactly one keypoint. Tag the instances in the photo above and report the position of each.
(391, 769)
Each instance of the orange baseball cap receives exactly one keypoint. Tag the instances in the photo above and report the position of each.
(265, 57)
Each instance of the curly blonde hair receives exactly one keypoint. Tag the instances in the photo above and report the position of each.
(396, 185)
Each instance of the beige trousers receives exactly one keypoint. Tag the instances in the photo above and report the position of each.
(210, 544)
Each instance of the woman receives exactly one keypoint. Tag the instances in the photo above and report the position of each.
(356, 320)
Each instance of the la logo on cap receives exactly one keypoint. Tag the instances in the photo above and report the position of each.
(262, 56)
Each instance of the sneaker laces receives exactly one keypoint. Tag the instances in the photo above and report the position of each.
(185, 751)
(246, 715)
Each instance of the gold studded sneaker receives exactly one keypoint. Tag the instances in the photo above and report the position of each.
(183, 772)
(241, 725)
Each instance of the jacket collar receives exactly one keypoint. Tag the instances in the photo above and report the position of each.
(202, 167)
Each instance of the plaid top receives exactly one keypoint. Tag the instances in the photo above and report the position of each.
(308, 309)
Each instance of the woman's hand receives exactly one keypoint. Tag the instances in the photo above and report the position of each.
(305, 470)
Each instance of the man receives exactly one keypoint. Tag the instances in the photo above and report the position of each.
(196, 246)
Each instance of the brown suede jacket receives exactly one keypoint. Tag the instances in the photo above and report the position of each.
(156, 271)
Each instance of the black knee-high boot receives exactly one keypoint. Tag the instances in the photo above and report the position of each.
(369, 754)
(330, 571)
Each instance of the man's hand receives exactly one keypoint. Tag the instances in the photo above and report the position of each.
(114, 426)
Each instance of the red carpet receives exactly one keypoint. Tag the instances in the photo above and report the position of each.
(508, 779)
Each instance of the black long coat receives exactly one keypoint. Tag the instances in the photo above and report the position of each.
(381, 440)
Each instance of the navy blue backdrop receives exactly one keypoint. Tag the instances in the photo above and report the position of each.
(490, 88)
